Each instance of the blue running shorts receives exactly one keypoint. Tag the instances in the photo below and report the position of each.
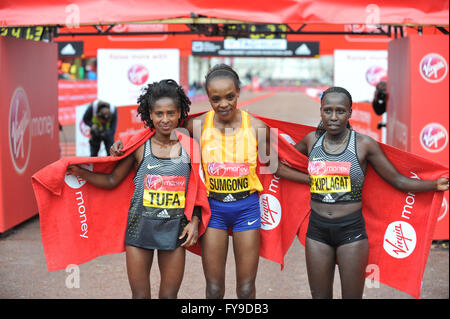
(240, 215)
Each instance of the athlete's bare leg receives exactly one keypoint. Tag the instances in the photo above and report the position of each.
(139, 263)
(352, 259)
(214, 245)
(320, 265)
(246, 254)
(171, 264)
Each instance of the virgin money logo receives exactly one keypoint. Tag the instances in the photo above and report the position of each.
(153, 182)
(320, 168)
(270, 209)
(228, 169)
(399, 239)
(375, 74)
(19, 130)
(434, 137)
(76, 182)
(138, 74)
(317, 168)
(433, 67)
(216, 169)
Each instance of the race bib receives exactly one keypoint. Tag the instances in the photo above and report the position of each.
(164, 191)
(329, 177)
(228, 177)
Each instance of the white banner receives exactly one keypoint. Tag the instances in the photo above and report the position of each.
(359, 71)
(122, 73)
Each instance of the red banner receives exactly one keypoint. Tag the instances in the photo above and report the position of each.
(418, 112)
(79, 12)
(29, 135)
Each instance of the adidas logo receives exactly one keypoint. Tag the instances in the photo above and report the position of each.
(163, 214)
(229, 198)
(303, 50)
(328, 199)
(68, 50)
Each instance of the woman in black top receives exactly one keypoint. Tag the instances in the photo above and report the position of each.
(336, 233)
(156, 217)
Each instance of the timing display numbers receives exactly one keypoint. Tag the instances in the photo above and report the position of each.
(29, 33)
(259, 31)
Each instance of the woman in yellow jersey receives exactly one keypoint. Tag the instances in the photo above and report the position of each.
(231, 141)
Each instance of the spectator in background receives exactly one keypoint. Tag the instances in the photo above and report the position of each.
(380, 98)
(101, 117)
(379, 101)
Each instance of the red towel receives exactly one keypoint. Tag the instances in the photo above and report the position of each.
(80, 221)
(399, 225)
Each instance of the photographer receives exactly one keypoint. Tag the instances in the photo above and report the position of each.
(101, 117)
(380, 101)
(380, 98)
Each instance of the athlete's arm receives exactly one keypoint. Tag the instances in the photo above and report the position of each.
(377, 158)
(305, 144)
(268, 155)
(194, 126)
(102, 180)
(292, 174)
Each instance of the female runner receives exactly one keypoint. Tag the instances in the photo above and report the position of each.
(338, 159)
(156, 219)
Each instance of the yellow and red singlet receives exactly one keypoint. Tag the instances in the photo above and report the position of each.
(229, 160)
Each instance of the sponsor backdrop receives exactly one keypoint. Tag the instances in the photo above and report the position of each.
(29, 136)
(417, 109)
(359, 71)
(123, 73)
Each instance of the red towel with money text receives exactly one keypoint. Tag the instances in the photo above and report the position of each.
(80, 222)
(399, 225)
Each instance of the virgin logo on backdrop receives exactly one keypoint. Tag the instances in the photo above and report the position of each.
(434, 137)
(85, 129)
(138, 74)
(19, 130)
(433, 67)
(375, 74)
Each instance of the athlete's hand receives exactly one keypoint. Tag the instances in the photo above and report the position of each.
(442, 184)
(115, 148)
(74, 170)
(191, 230)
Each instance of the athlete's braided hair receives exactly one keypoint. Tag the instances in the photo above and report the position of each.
(157, 90)
(334, 89)
(222, 70)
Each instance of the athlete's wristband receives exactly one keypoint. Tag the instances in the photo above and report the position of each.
(197, 212)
